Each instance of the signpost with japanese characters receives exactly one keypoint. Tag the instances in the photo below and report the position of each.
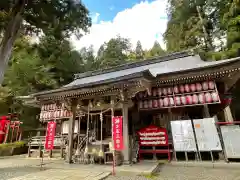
(49, 141)
(117, 132)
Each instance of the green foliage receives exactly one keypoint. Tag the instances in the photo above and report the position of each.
(16, 144)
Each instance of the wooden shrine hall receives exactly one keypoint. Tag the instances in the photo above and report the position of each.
(147, 94)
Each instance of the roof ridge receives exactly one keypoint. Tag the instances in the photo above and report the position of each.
(129, 65)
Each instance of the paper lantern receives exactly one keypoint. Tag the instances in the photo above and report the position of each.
(177, 100)
(189, 99)
(154, 92)
(171, 101)
(62, 113)
(194, 99)
(145, 104)
(140, 103)
(58, 114)
(208, 97)
(164, 91)
(155, 103)
(160, 103)
(41, 115)
(215, 97)
(52, 113)
(169, 90)
(175, 89)
(150, 103)
(211, 85)
(140, 95)
(181, 88)
(205, 86)
(183, 100)
(166, 102)
(149, 93)
(199, 87)
(201, 98)
(145, 94)
(42, 108)
(159, 91)
(187, 88)
(193, 87)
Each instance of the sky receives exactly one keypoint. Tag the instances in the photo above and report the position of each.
(143, 20)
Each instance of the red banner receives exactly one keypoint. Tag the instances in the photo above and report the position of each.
(117, 129)
(50, 135)
(153, 136)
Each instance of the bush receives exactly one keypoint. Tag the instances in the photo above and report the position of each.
(13, 145)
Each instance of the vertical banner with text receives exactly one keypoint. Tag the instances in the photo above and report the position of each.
(50, 135)
(117, 131)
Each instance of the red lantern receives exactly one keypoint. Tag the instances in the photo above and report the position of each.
(175, 89)
(177, 100)
(145, 104)
(140, 103)
(193, 87)
(201, 98)
(159, 91)
(155, 103)
(164, 91)
(183, 100)
(154, 92)
(199, 87)
(186, 87)
(166, 102)
(181, 88)
(160, 103)
(211, 85)
(208, 97)
(171, 101)
(194, 99)
(189, 99)
(150, 103)
(169, 90)
(205, 86)
(215, 97)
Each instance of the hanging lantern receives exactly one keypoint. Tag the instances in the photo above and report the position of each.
(41, 115)
(175, 89)
(208, 97)
(199, 87)
(140, 95)
(215, 97)
(145, 104)
(164, 91)
(201, 98)
(177, 100)
(193, 87)
(155, 103)
(140, 103)
(159, 91)
(211, 85)
(187, 88)
(149, 93)
(205, 86)
(194, 99)
(154, 92)
(183, 100)
(171, 101)
(150, 103)
(52, 113)
(42, 108)
(160, 103)
(61, 113)
(169, 90)
(58, 114)
(181, 88)
(189, 99)
(166, 102)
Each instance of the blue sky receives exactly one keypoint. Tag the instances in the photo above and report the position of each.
(143, 20)
(108, 9)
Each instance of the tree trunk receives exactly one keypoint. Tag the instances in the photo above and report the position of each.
(10, 36)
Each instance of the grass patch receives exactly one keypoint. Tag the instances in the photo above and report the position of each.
(13, 145)
(152, 176)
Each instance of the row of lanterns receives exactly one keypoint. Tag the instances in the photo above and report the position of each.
(55, 114)
(202, 98)
(48, 107)
(183, 88)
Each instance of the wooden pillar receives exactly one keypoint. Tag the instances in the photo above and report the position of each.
(71, 130)
(228, 114)
(126, 152)
(206, 113)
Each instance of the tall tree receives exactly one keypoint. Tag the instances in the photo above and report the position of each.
(157, 50)
(63, 17)
(139, 51)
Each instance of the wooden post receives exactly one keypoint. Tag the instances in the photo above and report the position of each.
(7, 132)
(71, 130)
(125, 133)
(228, 114)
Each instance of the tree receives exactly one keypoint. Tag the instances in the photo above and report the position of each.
(62, 17)
(139, 51)
(89, 60)
(156, 50)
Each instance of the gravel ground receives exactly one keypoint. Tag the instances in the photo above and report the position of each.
(184, 173)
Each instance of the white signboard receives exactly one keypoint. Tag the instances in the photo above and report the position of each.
(183, 136)
(231, 136)
(207, 135)
(65, 127)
